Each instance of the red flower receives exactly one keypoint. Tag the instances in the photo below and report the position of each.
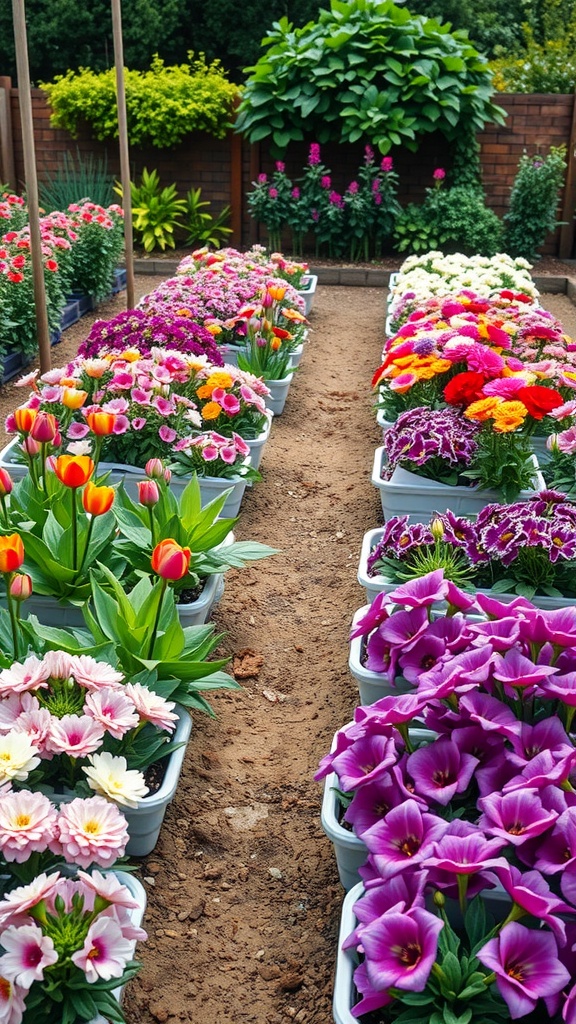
(51, 265)
(15, 276)
(18, 262)
(464, 388)
(539, 400)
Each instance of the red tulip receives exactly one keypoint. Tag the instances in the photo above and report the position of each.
(170, 560)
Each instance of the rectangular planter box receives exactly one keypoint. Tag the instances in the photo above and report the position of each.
(12, 365)
(70, 314)
(119, 280)
(308, 291)
(408, 494)
(85, 303)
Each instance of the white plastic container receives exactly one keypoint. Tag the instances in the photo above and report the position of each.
(276, 400)
(409, 494)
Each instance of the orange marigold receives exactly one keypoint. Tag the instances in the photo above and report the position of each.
(211, 411)
(219, 379)
(483, 409)
(509, 416)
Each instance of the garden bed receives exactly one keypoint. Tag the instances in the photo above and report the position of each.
(243, 891)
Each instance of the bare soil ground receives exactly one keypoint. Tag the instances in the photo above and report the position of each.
(243, 894)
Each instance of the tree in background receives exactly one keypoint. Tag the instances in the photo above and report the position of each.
(68, 34)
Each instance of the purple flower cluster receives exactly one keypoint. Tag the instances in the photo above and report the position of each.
(486, 799)
(422, 434)
(135, 328)
(532, 543)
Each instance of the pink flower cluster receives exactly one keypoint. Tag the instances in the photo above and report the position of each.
(68, 707)
(93, 909)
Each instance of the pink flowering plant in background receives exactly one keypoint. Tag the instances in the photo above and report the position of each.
(65, 945)
(212, 455)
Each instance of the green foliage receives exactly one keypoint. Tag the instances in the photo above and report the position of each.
(540, 67)
(366, 68)
(454, 220)
(155, 211)
(534, 202)
(163, 104)
(75, 180)
(492, 25)
(202, 227)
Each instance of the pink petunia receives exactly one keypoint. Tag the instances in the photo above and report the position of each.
(167, 434)
(105, 952)
(27, 952)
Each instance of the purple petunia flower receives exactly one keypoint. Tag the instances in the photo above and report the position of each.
(401, 948)
(530, 891)
(440, 770)
(526, 965)
(516, 816)
(403, 839)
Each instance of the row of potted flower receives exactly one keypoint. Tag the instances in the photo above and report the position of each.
(449, 794)
(81, 248)
(91, 706)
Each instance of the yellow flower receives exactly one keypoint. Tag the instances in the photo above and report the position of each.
(213, 329)
(509, 416)
(211, 411)
(131, 355)
(483, 409)
(219, 379)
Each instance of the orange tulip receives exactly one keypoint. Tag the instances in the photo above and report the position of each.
(11, 552)
(24, 418)
(97, 500)
(169, 560)
(74, 470)
(277, 291)
(101, 423)
(73, 398)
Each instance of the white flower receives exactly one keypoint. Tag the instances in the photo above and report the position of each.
(17, 757)
(79, 448)
(111, 777)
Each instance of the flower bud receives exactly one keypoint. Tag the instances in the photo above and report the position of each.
(101, 423)
(44, 428)
(6, 483)
(21, 586)
(437, 529)
(30, 446)
(73, 398)
(170, 560)
(439, 898)
(148, 493)
(74, 470)
(154, 468)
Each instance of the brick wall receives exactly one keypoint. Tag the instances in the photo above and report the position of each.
(534, 123)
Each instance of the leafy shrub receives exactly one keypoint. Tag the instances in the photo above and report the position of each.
(365, 69)
(454, 220)
(201, 227)
(155, 211)
(541, 67)
(163, 105)
(534, 202)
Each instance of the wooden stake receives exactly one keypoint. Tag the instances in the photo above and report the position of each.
(31, 182)
(124, 154)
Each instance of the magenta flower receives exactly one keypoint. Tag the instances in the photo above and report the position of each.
(403, 839)
(465, 850)
(314, 154)
(402, 629)
(440, 770)
(105, 952)
(386, 164)
(372, 802)
(365, 761)
(515, 670)
(421, 592)
(530, 891)
(27, 953)
(526, 965)
(439, 174)
(549, 734)
(516, 816)
(401, 948)
(371, 998)
(377, 612)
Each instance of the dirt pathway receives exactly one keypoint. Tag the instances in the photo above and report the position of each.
(243, 894)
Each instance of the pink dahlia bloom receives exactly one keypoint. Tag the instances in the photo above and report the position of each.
(27, 822)
(92, 831)
(94, 675)
(152, 707)
(113, 710)
(75, 735)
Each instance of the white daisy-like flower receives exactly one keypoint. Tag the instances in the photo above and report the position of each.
(110, 777)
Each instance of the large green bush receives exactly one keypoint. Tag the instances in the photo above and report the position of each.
(163, 105)
(366, 69)
(534, 201)
(541, 67)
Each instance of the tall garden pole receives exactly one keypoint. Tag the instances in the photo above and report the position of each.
(124, 155)
(31, 182)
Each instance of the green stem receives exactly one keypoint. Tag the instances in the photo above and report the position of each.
(88, 539)
(43, 464)
(74, 529)
(152, 530)
(8, 576)
(157, 620)
(462, 890)
(4, 511)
